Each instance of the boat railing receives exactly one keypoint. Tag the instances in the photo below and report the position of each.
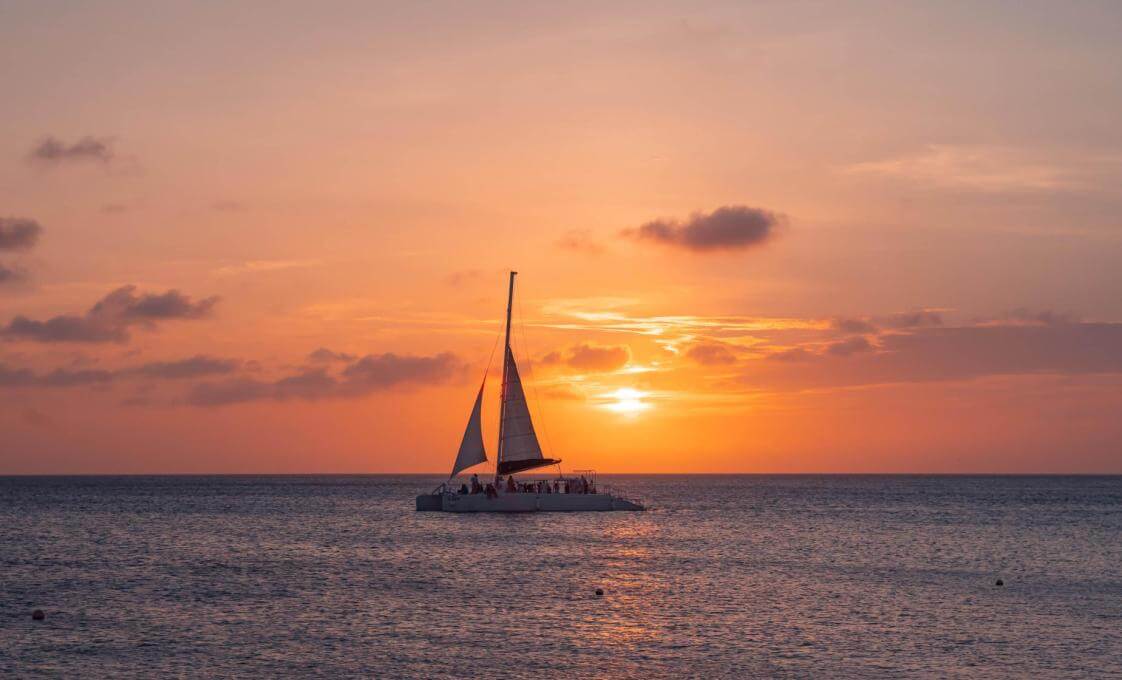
(620, 493)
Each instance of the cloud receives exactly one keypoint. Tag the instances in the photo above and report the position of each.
(371, 373)
(975, 168)
(15, 377)
(61, 377)
(192, 367)
(110, 318)
(792, 355)
(310, 384)
(979, 350)
(844, 325)
(951, 353)
(711, 353)
(921, 319)
(1043, 317)
(379, 371)
(258, 266)
(900, 321)
(844, 348)
(52, 150)
(591, 358)
(18, 233)
(11, 274)
(152, 307)
(324, 355)
(64, 329)
(580, 241)
(233, 391)
(726, 228)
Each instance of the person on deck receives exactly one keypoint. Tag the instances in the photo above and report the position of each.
(476, 487)
(510, 486)
(463, 489)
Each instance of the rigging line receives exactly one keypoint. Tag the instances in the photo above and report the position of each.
(533, 382)
(491, 356)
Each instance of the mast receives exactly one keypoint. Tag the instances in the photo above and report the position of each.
(502, 397)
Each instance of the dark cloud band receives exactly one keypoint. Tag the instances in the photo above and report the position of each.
(110, 319)
(371, 373)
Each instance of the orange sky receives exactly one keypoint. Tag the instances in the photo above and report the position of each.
(770, 237)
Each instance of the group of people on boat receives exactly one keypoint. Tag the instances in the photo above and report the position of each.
(492, 490)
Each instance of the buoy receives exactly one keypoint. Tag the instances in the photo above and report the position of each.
(999, 582)
(38, 615)
(599, 592)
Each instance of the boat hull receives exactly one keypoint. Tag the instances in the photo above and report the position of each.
(525, 502)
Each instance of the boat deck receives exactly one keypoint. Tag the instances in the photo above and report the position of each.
(525, 502)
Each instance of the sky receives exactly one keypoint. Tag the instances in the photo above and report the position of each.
(750, 236)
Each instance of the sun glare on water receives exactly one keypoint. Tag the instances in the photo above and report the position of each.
(626, 400)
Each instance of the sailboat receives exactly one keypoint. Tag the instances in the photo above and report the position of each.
(518, 451)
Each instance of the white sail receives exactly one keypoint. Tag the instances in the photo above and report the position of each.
(519, 442)
(471, 448)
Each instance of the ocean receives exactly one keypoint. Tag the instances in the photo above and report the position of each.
(725, 576)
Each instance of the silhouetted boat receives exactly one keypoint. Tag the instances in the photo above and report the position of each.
(518, 451)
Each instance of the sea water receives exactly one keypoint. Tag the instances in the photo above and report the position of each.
(724, 576)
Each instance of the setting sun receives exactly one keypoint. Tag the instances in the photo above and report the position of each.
(626, 400)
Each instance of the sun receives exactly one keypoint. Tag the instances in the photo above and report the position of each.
(626, 400)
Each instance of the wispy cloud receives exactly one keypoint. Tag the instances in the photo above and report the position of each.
(978, 168)
(580, 241)
(259, 266)
(590, 357)
(606, 315)
(54, 151)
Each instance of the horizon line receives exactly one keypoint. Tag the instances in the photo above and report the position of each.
(648, 474)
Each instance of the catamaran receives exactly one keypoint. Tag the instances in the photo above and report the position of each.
(518, 451)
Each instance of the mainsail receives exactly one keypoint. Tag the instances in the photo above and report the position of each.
(518, 444)
(471, 448)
